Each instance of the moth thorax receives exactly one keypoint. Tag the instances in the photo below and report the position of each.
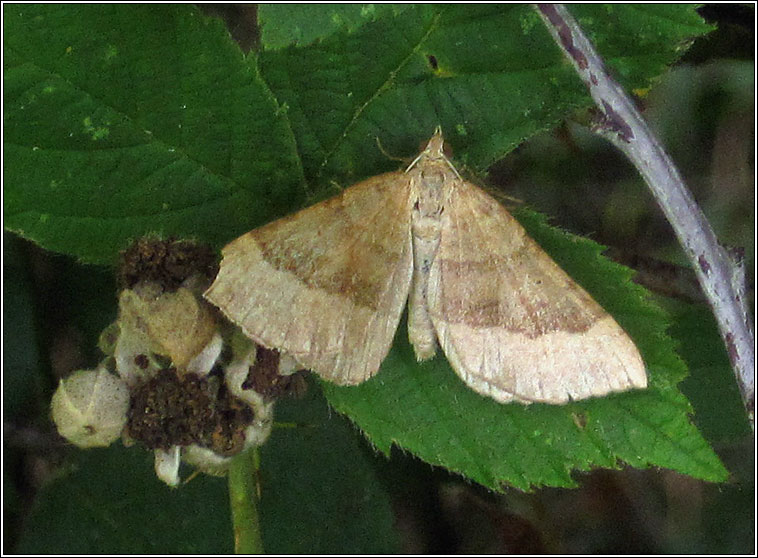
(431, 185)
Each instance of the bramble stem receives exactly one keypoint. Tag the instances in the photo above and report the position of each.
(720, 272)
(243, 498)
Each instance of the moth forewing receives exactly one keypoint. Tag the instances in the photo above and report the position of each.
(326, 285)
(513, 324)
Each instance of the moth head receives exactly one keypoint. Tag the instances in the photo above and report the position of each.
(435, 154)
(435, 147)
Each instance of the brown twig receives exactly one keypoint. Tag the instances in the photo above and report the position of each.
(720, 272)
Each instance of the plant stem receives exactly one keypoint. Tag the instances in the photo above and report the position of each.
(720, 272)
(243, 498)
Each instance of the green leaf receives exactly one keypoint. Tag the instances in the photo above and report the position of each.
(320, 492)
(122, 120)
(424, 408)
(109, 501)
(721, 419)
(645, 26)
(463, 67)
(396, 78)
(126, 119)
(301, 24)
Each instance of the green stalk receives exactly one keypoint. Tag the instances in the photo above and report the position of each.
(243, 498)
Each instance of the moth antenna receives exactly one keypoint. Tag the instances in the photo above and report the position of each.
(386, 153)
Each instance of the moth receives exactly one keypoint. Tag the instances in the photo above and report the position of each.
(328, 285)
